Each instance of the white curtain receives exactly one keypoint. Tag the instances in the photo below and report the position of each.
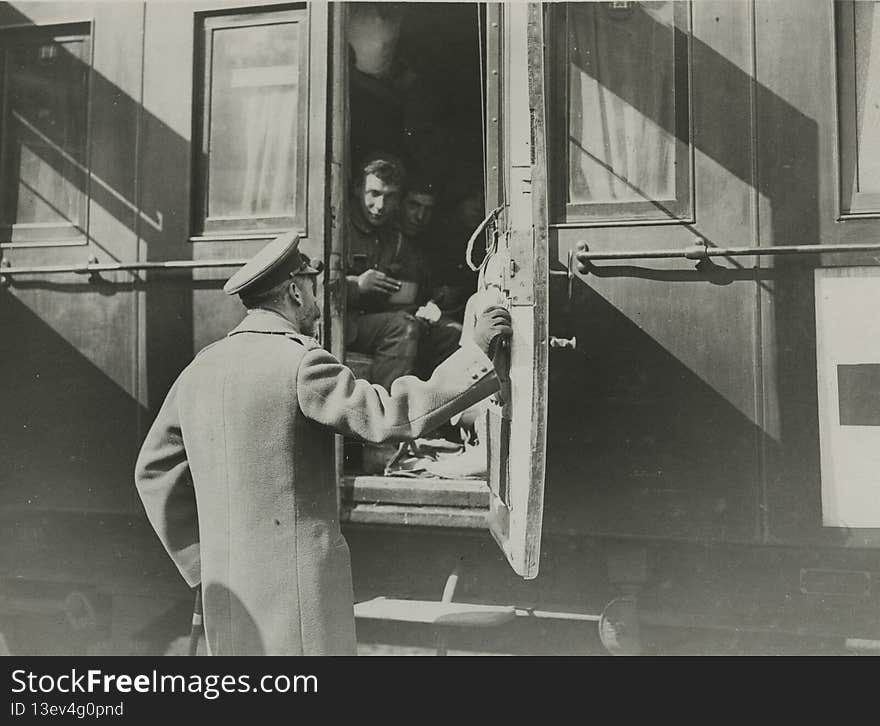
(255, 121)
(270, 152)
(621, 103)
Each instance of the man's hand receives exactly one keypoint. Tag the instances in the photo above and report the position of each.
(492, 323)
(375, 281)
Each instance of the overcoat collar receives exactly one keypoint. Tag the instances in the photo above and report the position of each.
(259, 320)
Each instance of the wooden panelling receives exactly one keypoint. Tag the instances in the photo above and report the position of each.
(798, 171)
(428, 492)
(68, 365)
(166, 325)
(661, 440)
(414, 516)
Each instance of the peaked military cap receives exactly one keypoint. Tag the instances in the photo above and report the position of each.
(272, 265)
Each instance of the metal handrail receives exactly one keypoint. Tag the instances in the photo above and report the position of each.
(693, 252)
(95, 267)
(703, 251)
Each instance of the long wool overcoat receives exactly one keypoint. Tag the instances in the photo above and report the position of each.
(237, 479)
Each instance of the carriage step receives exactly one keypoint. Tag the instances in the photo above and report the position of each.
(434, 612)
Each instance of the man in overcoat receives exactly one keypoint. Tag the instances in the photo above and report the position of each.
(236, 472)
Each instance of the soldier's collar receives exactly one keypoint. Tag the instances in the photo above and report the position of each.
(261, 320)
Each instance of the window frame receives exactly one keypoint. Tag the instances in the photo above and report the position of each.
(48, 234)
(677, 210)
(853, 204)
(203, 226)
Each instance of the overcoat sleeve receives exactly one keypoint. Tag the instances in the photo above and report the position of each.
(330, 394)
(164, 482)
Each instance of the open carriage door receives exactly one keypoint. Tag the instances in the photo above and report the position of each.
(517, 185)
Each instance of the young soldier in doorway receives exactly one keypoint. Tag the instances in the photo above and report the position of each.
(440, 334)
(452, 280)
(383, 278)
(383, 274)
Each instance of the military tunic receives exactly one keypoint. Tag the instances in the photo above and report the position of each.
(236, 476)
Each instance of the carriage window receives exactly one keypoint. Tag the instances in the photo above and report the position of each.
(254, 122)
(44, 134)
(625, 73)
(858, 58)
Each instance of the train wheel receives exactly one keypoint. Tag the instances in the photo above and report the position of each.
(619, 628)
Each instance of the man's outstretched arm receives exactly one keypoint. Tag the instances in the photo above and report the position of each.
(330, 394)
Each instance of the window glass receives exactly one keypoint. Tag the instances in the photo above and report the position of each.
(627, 109)
(255, 121)
(44, 136)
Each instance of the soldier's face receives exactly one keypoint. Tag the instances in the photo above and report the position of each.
(470, 210)
(309, 312)
(416, 212)
(378, 200)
